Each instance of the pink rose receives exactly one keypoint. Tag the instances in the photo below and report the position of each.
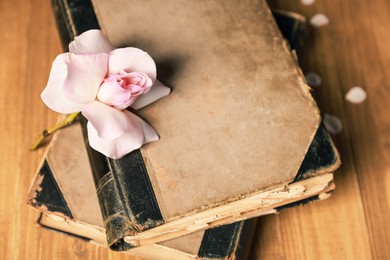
(101, 82)
(122, 89)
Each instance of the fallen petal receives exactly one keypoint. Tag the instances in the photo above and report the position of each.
(109, 122)
(132, 60)
(126, 143)
(52, 95)
(85, 74)
(307, 2)
(157, 91)
(313, 79)
(319, 20)
(332, 124)
(356, 95)
(90, 42)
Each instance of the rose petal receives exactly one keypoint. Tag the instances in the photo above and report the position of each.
(85, 74)
(319, 20)
(157, 91)
(356, 95)
(307, 2)
(112, 94)
(126, 104)
(148, 132)
(332, 124)
(109, 122)
(131, 60)
(52, 94)
(140, 134)
(90, 42)
(313, 79)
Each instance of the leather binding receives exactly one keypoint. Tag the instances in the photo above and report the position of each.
(122, 218)
(114, 189)
(73, 17)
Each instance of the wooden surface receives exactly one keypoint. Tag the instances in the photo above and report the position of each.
(351, 50)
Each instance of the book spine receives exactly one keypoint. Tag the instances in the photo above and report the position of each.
(62, 21)
(121, 218)
(127, 201)
(73, 17)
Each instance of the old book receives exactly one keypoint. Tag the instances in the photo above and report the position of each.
(233, 133)
(64, 191)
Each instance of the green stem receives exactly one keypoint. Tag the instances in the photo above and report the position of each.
(47, 132)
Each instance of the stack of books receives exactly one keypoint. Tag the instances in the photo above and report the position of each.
(240, 135)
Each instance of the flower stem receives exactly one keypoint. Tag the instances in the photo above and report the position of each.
(70, 119)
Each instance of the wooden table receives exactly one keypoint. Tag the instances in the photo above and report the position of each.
(351, 50)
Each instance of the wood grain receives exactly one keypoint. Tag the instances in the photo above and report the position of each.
(351, 50)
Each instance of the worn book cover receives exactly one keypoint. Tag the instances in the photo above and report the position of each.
(64, 191)
(234, 131)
